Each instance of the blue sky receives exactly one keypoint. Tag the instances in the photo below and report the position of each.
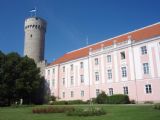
(71, 21)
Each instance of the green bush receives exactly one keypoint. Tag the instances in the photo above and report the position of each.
(157, 106)
(70, 102)
(148, 102)
(118, 99)
(92, 111)
(102, 98)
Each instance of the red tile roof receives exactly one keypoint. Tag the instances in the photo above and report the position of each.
(137, 35)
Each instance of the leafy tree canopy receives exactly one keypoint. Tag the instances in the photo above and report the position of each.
(19, 79)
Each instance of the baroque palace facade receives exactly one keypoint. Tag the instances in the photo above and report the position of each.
(126, 64)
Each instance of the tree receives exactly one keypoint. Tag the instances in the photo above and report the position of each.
(3, 93)
(20, 79)
(30, 83)
(101, 98)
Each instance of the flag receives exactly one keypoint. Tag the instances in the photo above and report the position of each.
(34, 10)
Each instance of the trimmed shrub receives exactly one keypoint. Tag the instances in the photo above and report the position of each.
(102, 98)
(132, 102)
(93, 111)
(52, 110)
(148, 102)
(70, 102)
(118, 99)
(157, 106)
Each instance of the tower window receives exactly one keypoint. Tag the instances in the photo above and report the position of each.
(31, 35)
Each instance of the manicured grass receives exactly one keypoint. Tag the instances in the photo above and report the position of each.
(114, 112)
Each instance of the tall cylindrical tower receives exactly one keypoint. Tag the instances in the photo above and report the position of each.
(35, 28)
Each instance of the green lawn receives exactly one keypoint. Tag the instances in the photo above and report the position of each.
(114, 112)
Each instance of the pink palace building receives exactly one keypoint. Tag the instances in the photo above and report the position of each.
(126, 64)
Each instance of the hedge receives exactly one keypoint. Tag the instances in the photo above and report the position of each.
(70, 102)
(118, 99)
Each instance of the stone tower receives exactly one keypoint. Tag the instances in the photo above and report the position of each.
(35, 29)
(34, 40)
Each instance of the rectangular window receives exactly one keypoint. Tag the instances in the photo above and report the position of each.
(97, 76)
(63, 81)
(96, 61)
(124, 72)
(144, 50)
(82, 93)
(48, 83)
(97, 92)
(72, 67)
(53, 70)
(63, 68)
(63, 94)
(53, 82)
(109, 74)
(81, 65)
(123, 56)
(146, 68)
(125, 90)
(110, 91)
(148, 88)
(48, 72)
(72, 81)
(72, 94)
(109, 58)
(82, 78)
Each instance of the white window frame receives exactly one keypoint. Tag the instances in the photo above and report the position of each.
(82, 93)
(125, 90)
(123, 55)
(146, 68)
(144, 50)
(48, 72)
(109, 58)
(63, 81)
(71, 67)
(109, 73)
(110, 91)
(96, 61)
(82, 78)
(63, 94)
(97, 76)
(63, 68)
(53, 70)
(97, 92)
(72, 80)
(148, 88)
(53, 82)
(124, 71)
(72, 94)
(81, 65)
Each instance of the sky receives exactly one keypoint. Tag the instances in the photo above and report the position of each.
(71, 22)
